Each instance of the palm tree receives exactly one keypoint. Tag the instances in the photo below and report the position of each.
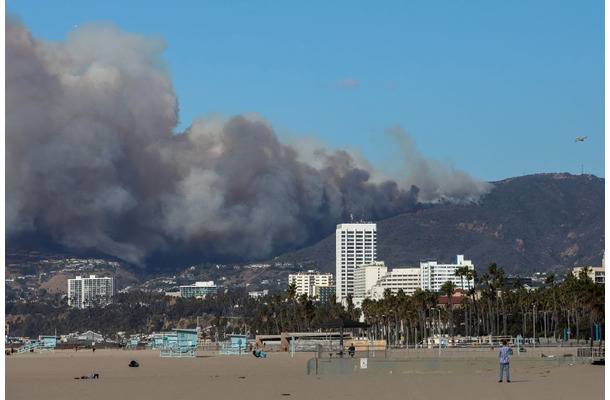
(291, 292)
(472, 275)
(401, 304)
(431, 299)
(488, 294)
(349, 301)
(412, 319)
(594, 298)
(589, 295)
(449, 289)
(307, 309)
(389, 308)
(464, 272)
(500, 278)
(550, 280)
(418, 300)
(277, 308)
(371, 314)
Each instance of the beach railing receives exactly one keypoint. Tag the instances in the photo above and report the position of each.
(176, 350)
(481, 352)
(34, 344)
(466, 352)
(236, 345)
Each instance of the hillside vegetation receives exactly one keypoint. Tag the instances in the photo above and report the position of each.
(543, 222)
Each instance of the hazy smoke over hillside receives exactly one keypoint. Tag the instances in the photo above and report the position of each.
(91, 160)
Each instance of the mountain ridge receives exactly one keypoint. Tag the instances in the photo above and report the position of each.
(541, 222)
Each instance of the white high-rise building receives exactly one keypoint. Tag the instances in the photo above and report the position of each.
(434, 275)
(306, 282)
(86, 292)
(356, 245)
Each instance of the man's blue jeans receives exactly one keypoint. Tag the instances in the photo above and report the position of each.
(502, 367)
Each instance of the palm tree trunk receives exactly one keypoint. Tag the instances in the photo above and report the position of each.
(504, 316)
(577, 327)
(468, 319)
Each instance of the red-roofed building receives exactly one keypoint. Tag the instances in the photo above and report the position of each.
(458, 297)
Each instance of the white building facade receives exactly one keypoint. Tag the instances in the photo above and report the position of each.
(434, 275)
(366, 276)
(306, 282)
(356, 244)
(86, 292)
(199, 289)
(407, 279)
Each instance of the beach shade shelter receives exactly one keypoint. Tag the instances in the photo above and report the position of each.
(48, 343)
(341, 324)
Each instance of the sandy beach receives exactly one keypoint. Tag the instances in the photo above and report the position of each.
(51, 376)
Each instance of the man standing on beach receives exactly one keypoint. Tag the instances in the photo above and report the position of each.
(503, 353)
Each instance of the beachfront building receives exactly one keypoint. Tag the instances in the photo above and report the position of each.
(323, 293)
(306, 282)
(366, 276)
(407, 279)
(86, 292)
(199, 289)
(356, 244)
(457, 299)
(434, 275)
(597, 274)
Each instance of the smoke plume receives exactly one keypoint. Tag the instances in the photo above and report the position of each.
(92, 161)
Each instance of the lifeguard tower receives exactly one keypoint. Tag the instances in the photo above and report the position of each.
(132, 344)
(181, 344)
(47, 343)
(237, 344)
(159, 339)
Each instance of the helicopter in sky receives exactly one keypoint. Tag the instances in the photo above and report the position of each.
(578, 139)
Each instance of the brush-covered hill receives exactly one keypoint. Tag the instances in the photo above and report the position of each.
(543, 222)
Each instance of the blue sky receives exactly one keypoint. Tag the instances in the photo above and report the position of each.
(497, 89)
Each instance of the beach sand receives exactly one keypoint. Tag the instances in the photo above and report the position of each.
(51, 376)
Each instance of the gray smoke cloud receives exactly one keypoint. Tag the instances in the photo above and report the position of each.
(92, 160)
